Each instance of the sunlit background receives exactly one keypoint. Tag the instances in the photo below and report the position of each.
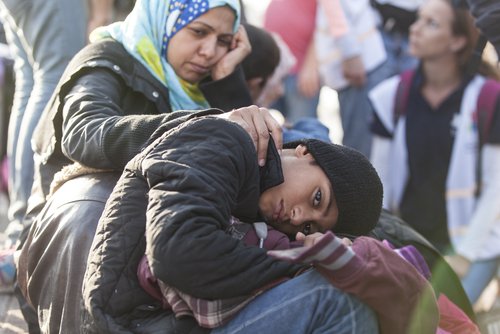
(328, 105)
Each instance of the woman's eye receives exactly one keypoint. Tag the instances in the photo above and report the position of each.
(198, 32)
(433, 24)
(307, 229)
(224, 42)
(317, 198)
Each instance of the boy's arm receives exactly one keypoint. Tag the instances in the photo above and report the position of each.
(375, 274)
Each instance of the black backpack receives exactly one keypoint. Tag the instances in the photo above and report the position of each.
(444, 279)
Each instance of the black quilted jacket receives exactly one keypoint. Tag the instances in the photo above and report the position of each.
(174, 202)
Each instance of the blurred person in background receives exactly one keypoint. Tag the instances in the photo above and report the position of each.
(352, 60)
(439, 175)
(294, 22)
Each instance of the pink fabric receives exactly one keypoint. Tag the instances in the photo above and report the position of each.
(375, 274)
(453, 319)
(413, 256)
(294, 21)
(147, 280)
(3, 175)
(337, 22)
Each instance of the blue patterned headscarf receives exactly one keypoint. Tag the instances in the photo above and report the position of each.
(146, 32)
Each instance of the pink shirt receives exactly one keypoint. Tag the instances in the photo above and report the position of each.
(294, 21)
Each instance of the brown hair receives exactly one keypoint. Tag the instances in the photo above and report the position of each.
(463, 25)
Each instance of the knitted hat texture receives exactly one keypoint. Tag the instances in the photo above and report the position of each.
(357, 188)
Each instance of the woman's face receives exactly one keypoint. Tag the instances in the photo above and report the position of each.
(305, 201)
(195, 49)
(431, 36)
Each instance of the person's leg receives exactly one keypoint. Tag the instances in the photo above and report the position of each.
(53, 259)
(356, 111)
(23, 87)
(307, 127)
(52, 33)
(398, 56)
(305, 304)
(478, 277)
(297, 105)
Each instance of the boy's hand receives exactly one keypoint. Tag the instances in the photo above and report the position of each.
(317, 247)
(311, 239)
(308, 240)
(239, 49)
(259, 123)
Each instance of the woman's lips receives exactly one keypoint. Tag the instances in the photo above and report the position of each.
(199, 68)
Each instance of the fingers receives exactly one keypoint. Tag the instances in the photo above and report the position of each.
(274, 128)
(262, 136)
(300, 236)
(239, 49)
(308, 240)
(241, 38)
(260, 125)
(347, 242)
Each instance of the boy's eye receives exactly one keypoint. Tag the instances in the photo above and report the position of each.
(307, 229)
(317, 198)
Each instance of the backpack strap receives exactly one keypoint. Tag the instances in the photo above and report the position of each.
(485, 109)
(483, 116)
(403, 94)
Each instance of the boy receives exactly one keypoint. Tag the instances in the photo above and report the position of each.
(181, 192)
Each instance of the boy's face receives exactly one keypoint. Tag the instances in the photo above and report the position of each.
(305, 201)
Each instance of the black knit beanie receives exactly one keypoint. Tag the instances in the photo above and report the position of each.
(356, 185)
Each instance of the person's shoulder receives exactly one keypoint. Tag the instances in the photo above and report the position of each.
(219, 127)
(211, 130)
(104, 46)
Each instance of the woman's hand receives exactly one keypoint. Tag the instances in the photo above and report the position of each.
(260, 124)
(239, 49)
(308, 80)
(354, 71)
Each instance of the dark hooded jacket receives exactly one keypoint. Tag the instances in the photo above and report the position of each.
(174, 202)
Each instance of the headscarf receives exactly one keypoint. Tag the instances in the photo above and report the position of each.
(146, 32)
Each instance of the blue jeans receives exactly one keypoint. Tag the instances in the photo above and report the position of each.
(478, 277)
(398, 57)
(306, 127)
(356, 111)
(43, 36)
(294, 105)
(305, 304)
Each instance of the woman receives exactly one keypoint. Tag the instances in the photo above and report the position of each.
(428, 159)
(114, 94)
(121, 87)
